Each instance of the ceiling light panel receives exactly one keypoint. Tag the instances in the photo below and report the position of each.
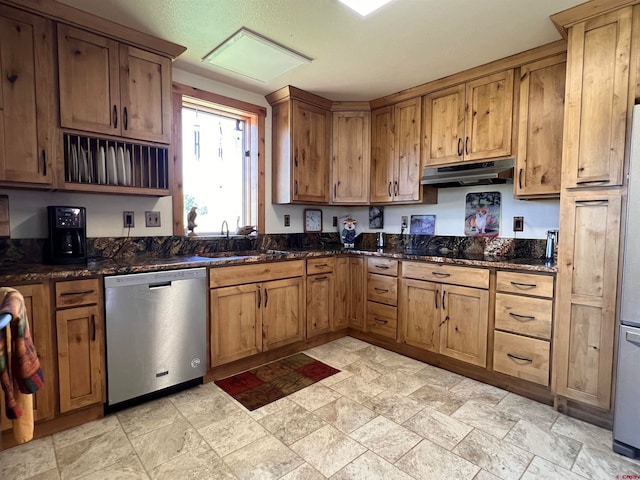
(364, 7)
(252, 55)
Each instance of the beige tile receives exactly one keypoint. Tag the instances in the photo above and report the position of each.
(128, 469)
(314, 396)
(349, 344)
(586, 433)
(428, 461)
(386, 438)
(52, 474)
(597, 463)
(379, 355)
(485, 417)
(338, 377)
(165, 443)
(484, 475)
(438, 377)
(394, 406)
(370, 466)
(406, 365)
(438, 398)
(549, 445)
(291, 424)
(199, 464)
(196, 394)
(328, 450)
(149, 416)
(207, 409)
(345, 414)
(535, 412)
(400, 382)
(357, 388)
(367, 369)
(28, 460)
(479, 392)
(494, 455)
(441, 429)
(539, 468)
(85, 431)
(263, 459)
(269, 408)
(334, 356)
(232, 432)
(304, 472)
(93, 454)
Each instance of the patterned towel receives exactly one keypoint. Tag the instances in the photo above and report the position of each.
(25, 372)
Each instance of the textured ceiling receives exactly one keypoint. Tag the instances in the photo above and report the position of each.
(403, 44)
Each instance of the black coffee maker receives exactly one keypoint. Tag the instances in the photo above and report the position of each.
(67, 235)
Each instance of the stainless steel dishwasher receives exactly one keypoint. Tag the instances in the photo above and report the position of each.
(156, 326)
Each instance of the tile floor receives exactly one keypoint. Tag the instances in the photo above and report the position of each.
(384, 416)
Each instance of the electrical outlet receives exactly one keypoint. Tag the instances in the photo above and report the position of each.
(152, 219)
(287, 220)
(128, 219)
(404, 221)
(335, 221)
(518, 224)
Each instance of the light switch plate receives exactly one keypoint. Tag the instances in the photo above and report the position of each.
(152, 219)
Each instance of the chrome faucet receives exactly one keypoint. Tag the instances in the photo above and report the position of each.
(222, 232)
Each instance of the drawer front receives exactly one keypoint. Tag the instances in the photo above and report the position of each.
(260, 272)
(435, 272)
(525, 284)
(382, 289)
(382, 319)
(320, 265)
(382, 266)
(521, 357)
(77, 292)
(526, 315)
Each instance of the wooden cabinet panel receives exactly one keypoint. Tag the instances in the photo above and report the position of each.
(541, 118)
(435, 272)
(351, 157)
(227, 276)
(382, 155)
(525, 283)
(521, 357)
(525, 315)
(382, 319)
(320, 265)
(444, 126)
(77, 292)
(343, 293)
(283, 314)
(357, 271)
(382, 289)
(596, 100)
(320, 308)
(419, 314)
(407, 171)
(26, 98)
(382, 266)
(79, 337)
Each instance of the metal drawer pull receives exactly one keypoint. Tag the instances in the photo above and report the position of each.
(383, 267)
(444, 305)
(93, 328)
(522, 318)
(440, 274)
(603, 201)
(436, 298)
(381, 321)
(518, 357)
(321, 265)
(259, 297)
(266, 297)
(378, 289)
(586, 182)
(324, 277)
(72, 294)
(524, 285)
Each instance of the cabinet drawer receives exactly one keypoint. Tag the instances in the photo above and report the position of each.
(382, 319)
(383, 266)
(525, 284)
(530, 316)
(320, 265)
(241, 274)
(77, 292)
(521, 357)
(435, 272)
(382, 289)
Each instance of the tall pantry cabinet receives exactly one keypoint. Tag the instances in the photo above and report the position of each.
(597, 121)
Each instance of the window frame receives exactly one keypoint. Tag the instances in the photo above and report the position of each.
(256, 119)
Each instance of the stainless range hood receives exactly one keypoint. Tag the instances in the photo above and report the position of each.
(482, 173)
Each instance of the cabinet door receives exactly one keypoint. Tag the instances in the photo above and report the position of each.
(236, 323)
(443, 126)
(358, 272)
(382, 155)
(283, 312)
(407, 170)
(596, 100)
(586, 306)
(489, 106)
(464, 317)
(344, 293)
(320, 293)
(145, 83)
(350, 162)
(89, 81)
(80, 337)
(419, 314)
(539, 159)
(26, 98)
(311, 130)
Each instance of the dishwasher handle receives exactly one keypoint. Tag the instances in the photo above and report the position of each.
(156, 286)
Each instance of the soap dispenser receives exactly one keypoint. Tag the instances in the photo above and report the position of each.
(552, 240)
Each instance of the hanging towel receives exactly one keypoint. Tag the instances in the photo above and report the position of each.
(23, 373)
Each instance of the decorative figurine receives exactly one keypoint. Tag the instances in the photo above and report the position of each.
(244, 230)
(349, 232)
(191, 221)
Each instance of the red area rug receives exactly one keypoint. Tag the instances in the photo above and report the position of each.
(267, 383)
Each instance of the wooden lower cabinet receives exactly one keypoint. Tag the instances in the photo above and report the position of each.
(349, 293)
(420, 314)
(320, 296)
(521, 357)
(283, 312)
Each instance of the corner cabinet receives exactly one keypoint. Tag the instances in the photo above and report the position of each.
(321, 294)
(26, 99)
(301, 129)
(350, 162)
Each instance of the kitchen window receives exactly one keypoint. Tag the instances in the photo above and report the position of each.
(218, 162)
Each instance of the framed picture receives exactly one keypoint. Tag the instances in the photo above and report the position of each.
(482, 214)
(376, 217)
(422, 225)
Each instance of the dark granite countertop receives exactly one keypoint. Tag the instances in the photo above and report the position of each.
(38, 272)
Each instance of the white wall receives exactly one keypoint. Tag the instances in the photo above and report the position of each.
(104, 212)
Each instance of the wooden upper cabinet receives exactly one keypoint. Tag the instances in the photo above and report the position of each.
(350, 159)
(596, 100)
(111, 88)
(540, 124)
(26, 98)
(470, 121)
(382, 155)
